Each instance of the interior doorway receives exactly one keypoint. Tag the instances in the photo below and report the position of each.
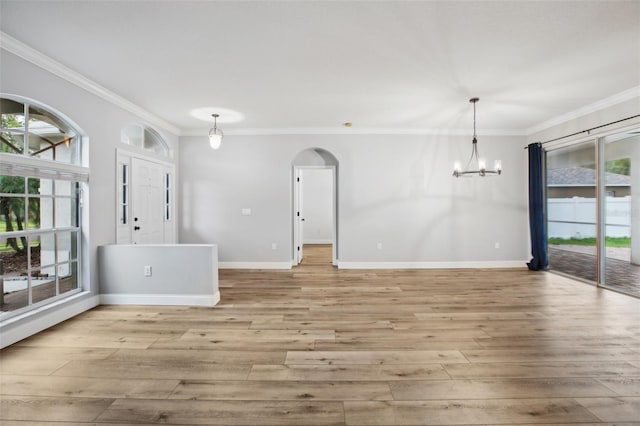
(315, 208)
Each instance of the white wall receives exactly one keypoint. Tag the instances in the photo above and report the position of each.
(317, 196)
(180, 274)
(394, 189)
(101, 121)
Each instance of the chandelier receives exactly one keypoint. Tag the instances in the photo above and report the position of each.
(475, 160)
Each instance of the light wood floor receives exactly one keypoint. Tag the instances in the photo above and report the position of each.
(320, 346)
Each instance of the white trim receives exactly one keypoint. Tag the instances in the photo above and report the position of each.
(319, 241)
(41, 60)
(26, 325)
(160, 299)
(618, 98)
(354, 131)
(254, 265)
(21, 165)
(432, 265)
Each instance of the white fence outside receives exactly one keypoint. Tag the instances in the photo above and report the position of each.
(576, 217)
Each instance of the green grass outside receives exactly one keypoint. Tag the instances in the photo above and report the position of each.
(623, 242)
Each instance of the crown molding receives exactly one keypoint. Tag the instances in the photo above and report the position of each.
(353, 131)
(618, 98)
(41, 60)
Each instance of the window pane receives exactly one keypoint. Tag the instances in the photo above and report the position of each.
(46, 213)
(68, 276)
(12, 214)
(51, 138)
(66, 213)
(12, 142)
(11, 114)
(33, 213)
(11, 184)
(13, 275)
(65, 187)
(48, 252)
(67, 246)
(40, 186)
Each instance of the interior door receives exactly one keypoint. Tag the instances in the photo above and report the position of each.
(147, 202)
(299, 217)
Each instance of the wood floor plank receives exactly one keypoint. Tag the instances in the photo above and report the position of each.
(52, 409)
(194, 356)
(594, 369)
(374, 357)
(154, 370)
(252, 390)
(453, 412)
(225, 412)
(54, 353)
(554, 355)
(395, 344)
(623, 386)
(27, 367)
(348, 372)
(417, 390)
(618, 409)
(86, 387)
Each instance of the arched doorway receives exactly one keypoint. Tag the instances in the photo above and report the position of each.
(314, 217)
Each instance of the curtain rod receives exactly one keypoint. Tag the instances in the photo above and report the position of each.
(588, 130)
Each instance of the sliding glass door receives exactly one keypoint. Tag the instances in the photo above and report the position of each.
(621, 221)
(593, 210)
(572, 210)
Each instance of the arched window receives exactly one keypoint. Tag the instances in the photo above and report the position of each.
(41, 183)
(145, 138)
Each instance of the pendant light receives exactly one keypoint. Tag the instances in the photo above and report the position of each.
(215, 134)
(475, 160)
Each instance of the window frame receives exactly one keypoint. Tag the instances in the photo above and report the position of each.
(26, 165)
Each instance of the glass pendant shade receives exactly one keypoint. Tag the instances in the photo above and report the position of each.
(215, 138)
(215, 134)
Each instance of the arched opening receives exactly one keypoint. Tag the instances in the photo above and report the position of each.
(314, 217)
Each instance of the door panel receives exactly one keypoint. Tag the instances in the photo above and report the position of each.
(147, 202)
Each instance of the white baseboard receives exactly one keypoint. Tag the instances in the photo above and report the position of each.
(433, 265)
(318, 241)
(254, 265)
(160, 299)
(15, 329)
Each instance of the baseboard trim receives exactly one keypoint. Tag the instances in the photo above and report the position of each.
(433, 265)
(318, 241)
(160, 299)
(21, 327)
(254, 265)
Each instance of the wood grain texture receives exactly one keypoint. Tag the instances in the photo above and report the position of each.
(318, 345)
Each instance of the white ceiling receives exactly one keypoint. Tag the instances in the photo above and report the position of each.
(317, 64)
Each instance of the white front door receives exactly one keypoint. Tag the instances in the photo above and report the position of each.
(147, 202)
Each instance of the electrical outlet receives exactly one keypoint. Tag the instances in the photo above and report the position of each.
(147, 270)
(379, 246)
(274, 246)
(246, 211)
(496, 245)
